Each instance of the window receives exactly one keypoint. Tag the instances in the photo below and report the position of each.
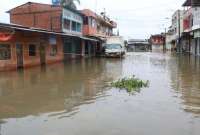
(54, 50)
(5, 52)
(73, 26)
(90, 21)
(93, 23)
(67, 24)
(78, 27)
(85, 20)
(32, 50)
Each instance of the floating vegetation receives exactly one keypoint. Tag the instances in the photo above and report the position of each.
(131, 84)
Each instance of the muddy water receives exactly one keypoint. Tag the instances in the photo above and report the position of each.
(73, 98)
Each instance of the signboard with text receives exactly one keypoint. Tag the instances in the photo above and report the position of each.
(67, 14)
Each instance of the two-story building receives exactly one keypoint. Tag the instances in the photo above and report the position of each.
(157, 42)
(52, 18)
(176, 29)
(41, 34)
(97, 26)
(192, 25)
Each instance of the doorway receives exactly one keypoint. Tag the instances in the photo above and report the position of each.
(196, 43)
(42, 54)
(19, 52)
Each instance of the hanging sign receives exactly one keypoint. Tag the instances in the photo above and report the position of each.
(6, 34)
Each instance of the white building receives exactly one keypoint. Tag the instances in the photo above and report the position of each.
(175, 30)
(196, 30)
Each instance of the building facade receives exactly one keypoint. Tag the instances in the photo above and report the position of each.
(44, 34)
(97, 25)
(192, 26)
(173, 36)
(26, 47)
(157, 42)
(138, 45)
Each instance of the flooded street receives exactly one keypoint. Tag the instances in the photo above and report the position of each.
(73, 98)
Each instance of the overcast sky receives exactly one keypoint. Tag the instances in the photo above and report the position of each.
(136, 18)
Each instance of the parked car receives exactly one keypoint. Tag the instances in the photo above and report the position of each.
(114, 47)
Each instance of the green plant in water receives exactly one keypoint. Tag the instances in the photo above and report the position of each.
(131, 84)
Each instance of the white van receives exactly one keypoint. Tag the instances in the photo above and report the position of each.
(114, 47)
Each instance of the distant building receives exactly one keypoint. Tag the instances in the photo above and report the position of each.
(157, 42)
(138, 45)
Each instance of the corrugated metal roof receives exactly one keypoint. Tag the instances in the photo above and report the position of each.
(31, 29)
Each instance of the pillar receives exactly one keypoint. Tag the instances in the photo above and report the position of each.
(82, 48)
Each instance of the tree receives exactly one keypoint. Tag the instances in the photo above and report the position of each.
(69, 3)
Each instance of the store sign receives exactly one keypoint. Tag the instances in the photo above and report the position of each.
(6, 34)
(56, 2)
(67, 14)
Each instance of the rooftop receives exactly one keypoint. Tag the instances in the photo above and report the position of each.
(194, 3)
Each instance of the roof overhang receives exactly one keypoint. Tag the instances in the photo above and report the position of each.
(28, 29)
(193, 3)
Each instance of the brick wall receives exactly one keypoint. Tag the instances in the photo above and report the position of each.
(37, 15)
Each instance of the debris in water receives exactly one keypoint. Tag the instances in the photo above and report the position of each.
(131, 84)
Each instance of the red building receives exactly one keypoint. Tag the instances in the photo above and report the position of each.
(25, 47)
(39, 34)
(97, 25)
(37, 15)
(44, 34)
(157, 41)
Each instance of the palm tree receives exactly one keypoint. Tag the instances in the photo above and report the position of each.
(69, 3)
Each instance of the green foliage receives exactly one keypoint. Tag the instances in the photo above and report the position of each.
(130, 84)
(69, 3)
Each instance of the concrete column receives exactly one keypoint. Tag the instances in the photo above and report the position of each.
(82, 48)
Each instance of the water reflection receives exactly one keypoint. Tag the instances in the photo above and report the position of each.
(59, 87)
(185, 76)
(73, 98)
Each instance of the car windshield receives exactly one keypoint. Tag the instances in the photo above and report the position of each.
(113, 46)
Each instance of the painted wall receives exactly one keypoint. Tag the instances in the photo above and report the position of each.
(196, 17)
(25, 39)
(71, 16)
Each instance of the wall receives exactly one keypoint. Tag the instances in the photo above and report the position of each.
(196, 17)
(59, 56)
(72, 16)
(25, 39)
(177, 23)
(11, 64)
(37, 15)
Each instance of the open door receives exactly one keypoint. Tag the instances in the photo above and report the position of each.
(19, 52)
(42, 55)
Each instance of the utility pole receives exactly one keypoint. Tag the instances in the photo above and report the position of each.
(179, 31)
(165, 43)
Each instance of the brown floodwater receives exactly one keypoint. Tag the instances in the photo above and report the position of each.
(74, 98)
